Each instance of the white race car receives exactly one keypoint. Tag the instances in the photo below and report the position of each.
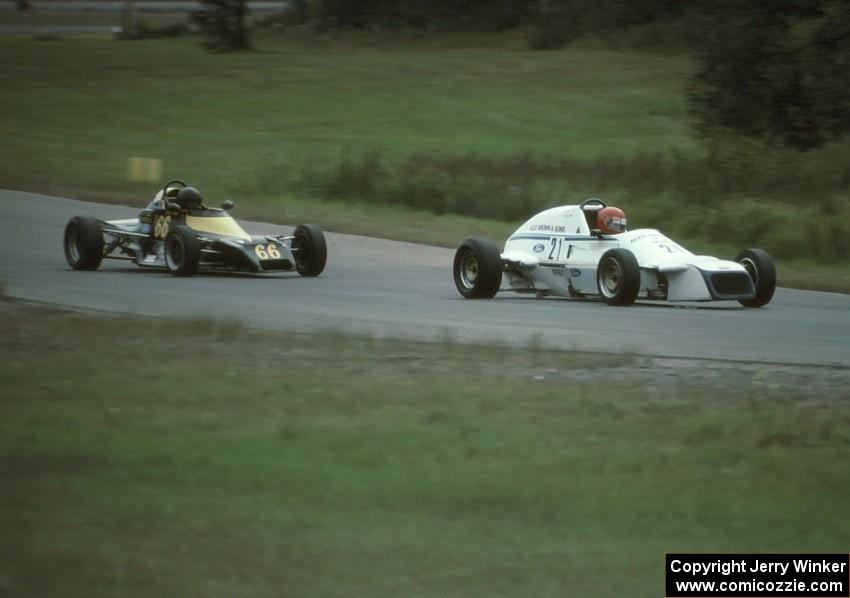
(585, 251)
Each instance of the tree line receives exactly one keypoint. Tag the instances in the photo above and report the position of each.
(777, 70)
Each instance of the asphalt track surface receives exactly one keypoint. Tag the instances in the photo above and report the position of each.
(392, 289)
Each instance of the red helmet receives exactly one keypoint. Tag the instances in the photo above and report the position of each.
(611, 221)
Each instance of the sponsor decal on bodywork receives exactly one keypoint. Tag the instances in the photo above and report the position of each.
(547, 227)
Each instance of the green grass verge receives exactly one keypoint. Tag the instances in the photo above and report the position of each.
(142, 457)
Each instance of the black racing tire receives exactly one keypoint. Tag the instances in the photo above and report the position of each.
(83, 243)
(762, 271)
(478, 269)
(618, 277)
(182, 251)
(311, 250)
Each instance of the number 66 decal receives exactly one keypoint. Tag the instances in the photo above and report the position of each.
(267, 252)
(160, 227)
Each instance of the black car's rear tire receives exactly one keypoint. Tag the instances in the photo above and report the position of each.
(618, 277)
(182, 251)
(762, 271)
(83, 243)
(310, 249)
(478, 269)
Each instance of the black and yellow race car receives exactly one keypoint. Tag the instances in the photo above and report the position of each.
(176, 231)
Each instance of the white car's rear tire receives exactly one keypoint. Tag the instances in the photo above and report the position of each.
(478, 269)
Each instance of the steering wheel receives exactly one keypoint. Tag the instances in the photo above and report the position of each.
(174, 183)
(592, 201)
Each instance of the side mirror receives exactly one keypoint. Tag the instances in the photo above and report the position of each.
(173, 207)
(227, 205)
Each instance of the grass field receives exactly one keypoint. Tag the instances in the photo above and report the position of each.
(198, 112)
(475, 125)
(198, 458)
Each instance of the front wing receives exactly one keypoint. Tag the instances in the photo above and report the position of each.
(263, 254)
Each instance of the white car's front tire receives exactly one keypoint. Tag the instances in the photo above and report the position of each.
(618, 277)
(759, 265)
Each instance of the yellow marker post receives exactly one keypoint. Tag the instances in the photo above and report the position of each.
(144, 170)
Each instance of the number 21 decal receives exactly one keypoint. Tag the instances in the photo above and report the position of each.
(556, 244)
(671, 247)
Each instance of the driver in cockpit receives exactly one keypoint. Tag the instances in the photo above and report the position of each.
(611, 221)
(187, 198)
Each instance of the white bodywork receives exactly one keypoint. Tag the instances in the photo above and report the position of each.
(555, 252)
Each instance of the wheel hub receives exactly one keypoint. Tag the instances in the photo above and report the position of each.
(73, 249)
(750, 267)
(469, 269)
(174, 253)
(610, 275)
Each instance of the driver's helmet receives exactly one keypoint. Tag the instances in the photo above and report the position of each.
(189, 198)
(611, 220)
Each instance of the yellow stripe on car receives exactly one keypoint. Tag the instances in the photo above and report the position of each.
(219, 225)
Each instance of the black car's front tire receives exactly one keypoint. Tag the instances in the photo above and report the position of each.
(83, 243)
(182, 251)
(759, 265)
(310, 249)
